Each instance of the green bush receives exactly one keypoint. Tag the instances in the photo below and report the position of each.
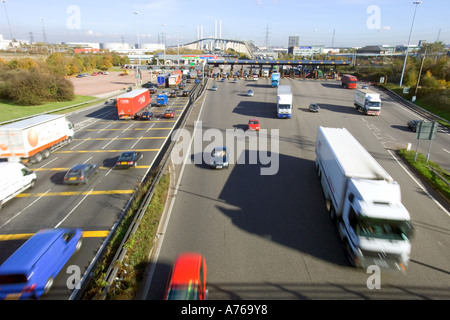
(32, 87)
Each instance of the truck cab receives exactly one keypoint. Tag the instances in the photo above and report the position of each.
(376, 220)
(161, 100)
(369, 102)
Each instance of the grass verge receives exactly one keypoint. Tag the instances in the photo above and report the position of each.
(132, 268)
(430, 171)
(10, 111)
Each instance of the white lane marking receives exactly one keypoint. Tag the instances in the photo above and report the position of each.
(71, 211)
(19, 213)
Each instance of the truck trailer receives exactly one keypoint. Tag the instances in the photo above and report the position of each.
(367, 101)
(174, 80)
(284, 102)
(163, 80)
(33, 139)
(130, 105)
(364, 201)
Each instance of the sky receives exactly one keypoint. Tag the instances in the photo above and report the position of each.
(341, 23)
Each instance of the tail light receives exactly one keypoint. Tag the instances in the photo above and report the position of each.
(29, 288)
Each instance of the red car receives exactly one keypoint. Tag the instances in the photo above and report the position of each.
(170, 113)
(253, 124)
(188, 278)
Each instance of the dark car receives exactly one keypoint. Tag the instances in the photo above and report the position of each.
(185, 93)
(147, 85)
(314, 107)
(128, 159)
(413, 124)
(173, 94)
(146, 115)
(152, 90)
(80, 173)
(219, 158)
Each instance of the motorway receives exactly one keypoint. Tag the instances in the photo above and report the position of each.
(270, 236)
(100, 137)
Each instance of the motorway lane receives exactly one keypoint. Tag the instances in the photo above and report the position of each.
(270, 237)
(99, 138)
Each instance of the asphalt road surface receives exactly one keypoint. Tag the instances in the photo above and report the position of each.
(100, 137)
(270, 236)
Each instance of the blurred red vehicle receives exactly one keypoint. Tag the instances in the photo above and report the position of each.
(188, 278)
(253, 124)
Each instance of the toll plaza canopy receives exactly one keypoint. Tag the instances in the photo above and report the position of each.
(279, 62)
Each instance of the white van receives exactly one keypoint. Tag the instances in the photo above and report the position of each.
(15, 178)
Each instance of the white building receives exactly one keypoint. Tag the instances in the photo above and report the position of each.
(6, 44)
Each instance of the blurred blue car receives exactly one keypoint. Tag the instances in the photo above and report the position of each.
(29, 272)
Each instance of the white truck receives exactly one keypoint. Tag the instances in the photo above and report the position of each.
(364, 201)
(33, 139)
(265, 73)
(15, 179)
(367, 101)
(284, 102)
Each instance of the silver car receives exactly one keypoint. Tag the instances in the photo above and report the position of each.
(219, 158)
(250, 93)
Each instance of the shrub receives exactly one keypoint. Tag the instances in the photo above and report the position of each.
(32, 87)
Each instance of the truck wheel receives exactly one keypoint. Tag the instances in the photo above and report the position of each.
(46, 153)
(36, 158)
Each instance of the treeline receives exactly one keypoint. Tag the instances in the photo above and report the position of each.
(431, 63)
(29, 81)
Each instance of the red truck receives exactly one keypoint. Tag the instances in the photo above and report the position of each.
(349, 81)
(130, 105)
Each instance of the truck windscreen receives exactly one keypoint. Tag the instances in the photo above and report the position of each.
(383, 229)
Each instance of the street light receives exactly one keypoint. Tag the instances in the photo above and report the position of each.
(164, 43)
(138, 76)
(7, 18)
(409, 38)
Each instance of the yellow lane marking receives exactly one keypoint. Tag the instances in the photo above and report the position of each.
(137, 129)
(74, 193)
(89, 151)
(21, 236)
(101, 168)
(143, 138)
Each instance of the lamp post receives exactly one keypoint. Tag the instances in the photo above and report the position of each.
(138, 76)
(164, 43)
(409, 38)
(7, 18)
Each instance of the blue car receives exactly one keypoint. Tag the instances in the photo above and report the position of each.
(29, 272)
